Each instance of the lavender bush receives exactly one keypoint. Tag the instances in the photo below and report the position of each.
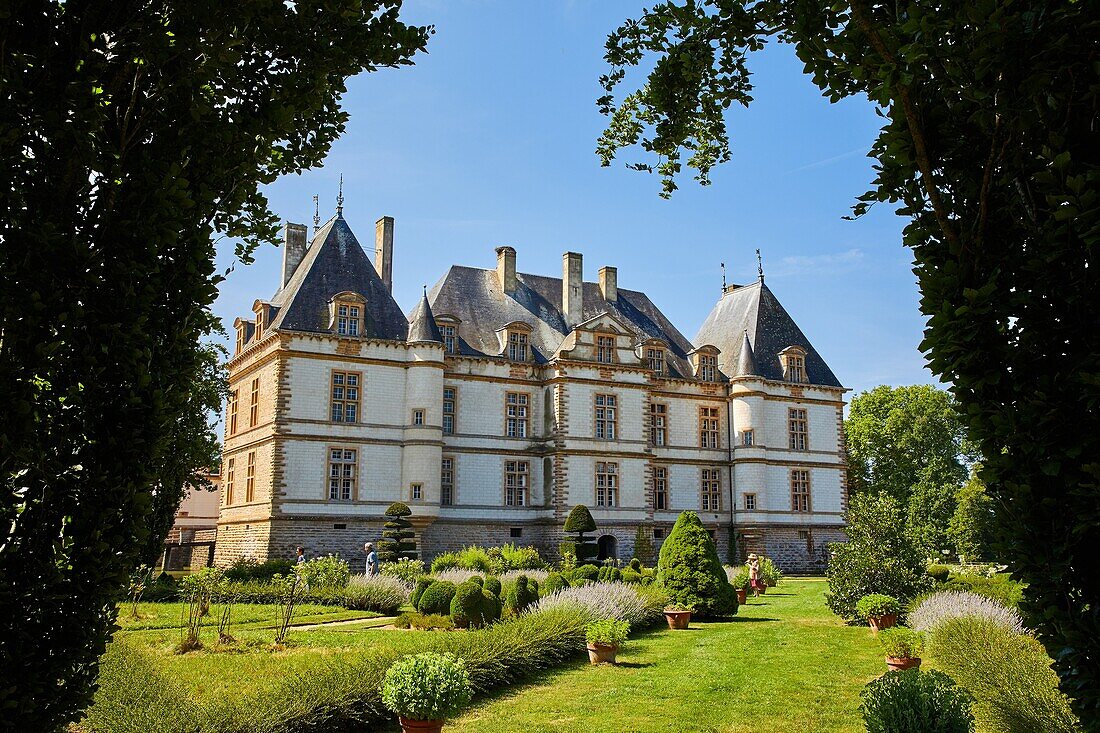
(383, 593)
(537, 575)
(458, 576)
(637, 605)
(939, 607)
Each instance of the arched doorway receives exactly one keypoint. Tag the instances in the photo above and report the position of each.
(608, 547)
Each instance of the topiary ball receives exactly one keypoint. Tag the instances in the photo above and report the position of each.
(437, 597)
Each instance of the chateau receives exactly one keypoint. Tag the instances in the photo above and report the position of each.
(503, 399)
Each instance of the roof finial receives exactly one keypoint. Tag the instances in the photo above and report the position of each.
(425, 290)
(316, 214)
(340, 198)
(723, 264)
(759, 266)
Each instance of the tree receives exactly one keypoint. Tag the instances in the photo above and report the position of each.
(970, 525)
(131, 134)
(990, 147)
(398, 538)
(580, 522)
(690, 571)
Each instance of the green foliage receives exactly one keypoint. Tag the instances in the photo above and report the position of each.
(1008, 673)
(690, 571)
(770, 574)
(636, 565)
(445, 561)
(424, 622)
(877, 604)
(580, 522)
(931, 506)
(437, 597)
(407, 569)
(466, 606)
(328, 571)
(491, 560)
(937, 572)
(607, 631)
(492, 584)
(631, 576)
(427, 686)
(520, 594)
(514, 557)
(398, 538)
(988, 148)
(1001, 587)
(251, 569)
(491, 607)
(970, 530)
(421, 586)
(901, 643)
(609, 574)
(911, 701)
(879, 557)
(586, 572)
(554, 583)
(644, 551)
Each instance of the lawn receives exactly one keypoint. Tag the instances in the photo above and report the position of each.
(785, 663)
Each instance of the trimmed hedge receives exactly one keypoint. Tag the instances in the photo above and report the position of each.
(691, 572)
(437, 597)
(521, 594)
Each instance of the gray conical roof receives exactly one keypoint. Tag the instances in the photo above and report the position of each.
(422, 323)
(746, 361)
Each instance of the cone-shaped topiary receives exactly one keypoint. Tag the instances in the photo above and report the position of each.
(397, 535)
(691, 572)
(643, 545)
(579, 522)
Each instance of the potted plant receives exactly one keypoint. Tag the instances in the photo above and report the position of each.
(902, 646)
(881, 611)
(740, 583)
(604, 638)
(423, 689)
(678, 616)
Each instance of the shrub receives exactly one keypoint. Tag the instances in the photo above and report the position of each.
(421, 586)
(328, 571)
(630, 576)
(643, 544)
(586, 572)
(877, 604)
(539, 576)
(134, 697)
(901, 643)
(521, 558)
(492, 585)
(970, 529)
(466, 606)
(479, 559)
(609, 574)
(770, 574)
(406, 569)
(912, 701)
(878, 558)
(491, 607)
(424, 622)
(520, 595)
(381, 593)
(637, 605)
(938, 573)
(1007, 673)
(456, 575)
(445, 561)
(398, 539)
(636, 565)
(437, 597)
(554, 582)
(1000, 587)
(738, 577)
(607, 631)
(935, 608)
(690, 571)
(580, 522)
(428, 686)
(251, 569)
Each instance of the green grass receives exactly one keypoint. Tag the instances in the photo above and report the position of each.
(785, 663)
(169, 615)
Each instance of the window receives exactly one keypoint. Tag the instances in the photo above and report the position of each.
(418, 417)
(416, 491)
(260, 323)
(656, 359)
(240, 338)
(750, 502)
(515, 532)
(708, 368)
(230, 477)
(348, 319)
(447, 481)
(708, 427)
(658, 533)
(254, 403)
(607, 416)
(517, 346)
(450, 338)
(605, 349)
(658, 424)
(799, 438)
(660, 488)
(516, 414)
(516, 480)
(607, 484)
(450, 401)
(345, 397)
(250, 478)
(748, 438)
(234, 399)
(711, 488)
(341, 473)
(800, 490)
(796, 368)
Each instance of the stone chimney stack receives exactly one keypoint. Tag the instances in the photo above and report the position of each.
(609, 284)
(294, 249)
(572, 289)
(383, 250)
(506, 269)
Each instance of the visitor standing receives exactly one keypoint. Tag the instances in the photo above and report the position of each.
(301, 555)
(754, 574)
(372, 559)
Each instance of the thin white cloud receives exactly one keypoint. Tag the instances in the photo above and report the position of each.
(830, 262)
(829, 161)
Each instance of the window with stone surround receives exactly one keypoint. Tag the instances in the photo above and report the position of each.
(241, 329)
(418, 417)
(450, 409)
(517, 346)
(807, 536)
(708, 368)
(254, 404)
(261, 322)
(607, 484)
(250, 478)
(748, 438)
(450, 338)
(416, 492)
(349, 319)
(605, 349)
(607, 416)
(708, 427)
(658, 533)
(516, 414)
(234, 401)
(447, 481)
(660, 487)
(344, 397)
(711, 490)
(800, 490)
(658, 424)
(798, 428)
(230, 480)
(750, 502)
(342, 474)
(517, 479)
(793, 361)
(656, 358)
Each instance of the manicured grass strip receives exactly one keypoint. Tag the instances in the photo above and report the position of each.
(168, 615)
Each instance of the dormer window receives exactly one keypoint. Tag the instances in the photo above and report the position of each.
(517, 346)
(708, 368)
(793, 360)
(263, 318)
(605, 349)
(656, 359)
(450, 338)
(349, 319)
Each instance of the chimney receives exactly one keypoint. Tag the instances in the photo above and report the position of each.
(294, 249)
(572, 289)
(609, 284)
(506, 269)
(383, 250)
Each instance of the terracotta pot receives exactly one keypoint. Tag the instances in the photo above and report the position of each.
(742, 595)
(408, 725)
(902, 662)
(598, 653)
(878, 623)
(678, 619)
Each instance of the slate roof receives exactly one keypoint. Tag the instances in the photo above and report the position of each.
(770, 329)
(334, 263)
(422, 326)
(474, 296)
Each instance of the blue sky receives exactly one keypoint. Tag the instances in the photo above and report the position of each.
(489, 139)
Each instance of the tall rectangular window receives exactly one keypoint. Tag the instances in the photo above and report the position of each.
(658, 424)
(660, 488)
(796, 368)
(517, 415)
(708, 368)
(240, 339)
(450, 409)
(607, 484)
(800, 490)
(607, 416)
(750, 502)
(450, 338)
(748, 438)
(416, 492)
(517, 346)
(708, 427)
(341, 473)
(711, 488)
(418, 417)
(254, 404)
(517, 476)
(230, 479)
(799, 429)
(348, 319)
(234, 400)
(447, 481)
(345, 397)
(605, 349)
(656, 359)
(250, 478)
